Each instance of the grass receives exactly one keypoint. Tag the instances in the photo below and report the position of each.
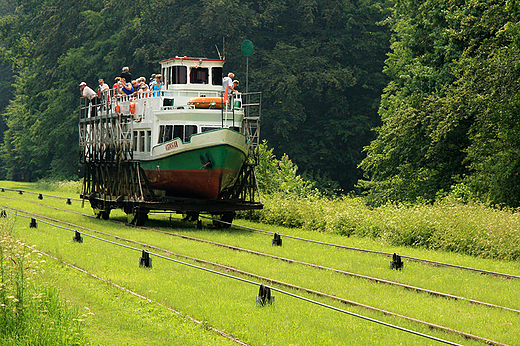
(230, 305)
(471, 229)
(116, 317)
(31, 311)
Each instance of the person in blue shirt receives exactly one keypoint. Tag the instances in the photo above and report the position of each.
(157, 86)
(126, 87)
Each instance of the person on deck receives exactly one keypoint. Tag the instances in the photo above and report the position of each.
(103, 93)
(157, 85)
(235, 86)
(152, 81)
(227, 82)
(90, 95)
(126, 87)
(227, 86)
(117, 81)
(136, 85)
(143, 90)
(126, 74)
(103, 89)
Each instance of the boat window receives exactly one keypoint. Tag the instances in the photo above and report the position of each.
(135, 141)
(189, 130)
(199, 75)
(161, 134)
(141, 141)
(216, 75)
(206, 129)
(178, 132)
(148, 141)
(177, 75)
(165, 133)
(168, 133)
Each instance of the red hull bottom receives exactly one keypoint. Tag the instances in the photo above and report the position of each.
(201, 183)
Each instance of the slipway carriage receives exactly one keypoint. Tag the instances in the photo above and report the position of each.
(187, 148)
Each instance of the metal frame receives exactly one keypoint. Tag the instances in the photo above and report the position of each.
(114, 180)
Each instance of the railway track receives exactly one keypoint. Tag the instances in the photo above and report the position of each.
(317, 266)
(125, 289)
(338, 246)
(280, 283)
(223, 269)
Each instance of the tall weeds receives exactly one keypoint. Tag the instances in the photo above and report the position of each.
(468, 228)
(31, 313)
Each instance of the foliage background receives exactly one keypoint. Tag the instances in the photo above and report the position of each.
(450, 113)
(319, 66)
(438, 80)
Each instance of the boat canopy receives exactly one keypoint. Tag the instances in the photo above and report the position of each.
(184, 71)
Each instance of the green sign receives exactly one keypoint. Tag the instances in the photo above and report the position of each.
(247, 48)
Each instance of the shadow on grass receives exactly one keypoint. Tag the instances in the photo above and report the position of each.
(180, 225)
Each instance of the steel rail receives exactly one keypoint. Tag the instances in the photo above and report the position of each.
(509, 276)
(288, 260)
(360, 276)
(420, 260)
(37, 193)
(290, 294)
(139, 295)
(266, 279)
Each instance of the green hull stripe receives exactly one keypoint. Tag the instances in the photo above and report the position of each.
(221, 157)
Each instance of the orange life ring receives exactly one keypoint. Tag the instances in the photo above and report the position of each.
(117, 108)
(206, 102)
(132, 107)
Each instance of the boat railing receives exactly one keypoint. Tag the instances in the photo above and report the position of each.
(251, 103)
(103, 134)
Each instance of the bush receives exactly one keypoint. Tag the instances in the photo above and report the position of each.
(279, 176)
(468, 228)
(70, 186)
(452, 223)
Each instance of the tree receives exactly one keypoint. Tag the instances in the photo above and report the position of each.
(322, 80)
(318, 65)
(448, 102)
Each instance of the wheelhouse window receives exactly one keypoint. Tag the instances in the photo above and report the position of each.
(216, 75)
(199, 75)
(176, 75)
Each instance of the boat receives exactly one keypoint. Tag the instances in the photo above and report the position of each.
(184, 141)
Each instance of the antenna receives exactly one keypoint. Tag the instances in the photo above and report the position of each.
(218, 52)
(223, 49)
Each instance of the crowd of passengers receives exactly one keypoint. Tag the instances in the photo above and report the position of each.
(123, 85)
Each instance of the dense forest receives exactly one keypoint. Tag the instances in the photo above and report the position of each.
(402, 100)
(319, 66)
(451, 111)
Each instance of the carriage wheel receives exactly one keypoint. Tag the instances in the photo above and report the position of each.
(137, 216)
(226, 217)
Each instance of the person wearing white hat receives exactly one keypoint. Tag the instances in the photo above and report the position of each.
(91, 95)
